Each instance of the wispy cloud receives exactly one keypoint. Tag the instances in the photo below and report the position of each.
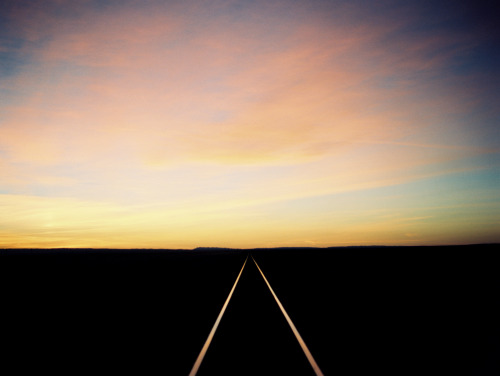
(234, 104)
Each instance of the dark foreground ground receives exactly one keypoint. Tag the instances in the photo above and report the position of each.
(394, 311)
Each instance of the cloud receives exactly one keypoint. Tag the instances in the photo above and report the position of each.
(129, 83)
(234, 104)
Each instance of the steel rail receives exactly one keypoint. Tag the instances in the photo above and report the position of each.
(309, 356)
(204, 349)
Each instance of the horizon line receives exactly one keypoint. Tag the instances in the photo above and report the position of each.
(202, 248)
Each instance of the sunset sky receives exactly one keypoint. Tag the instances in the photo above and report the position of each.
(177, 124)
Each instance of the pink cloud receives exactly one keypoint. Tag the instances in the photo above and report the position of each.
(121, 91)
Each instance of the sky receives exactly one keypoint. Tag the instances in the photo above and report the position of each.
(178, 124)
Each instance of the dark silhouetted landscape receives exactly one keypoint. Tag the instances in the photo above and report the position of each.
(360, 310)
